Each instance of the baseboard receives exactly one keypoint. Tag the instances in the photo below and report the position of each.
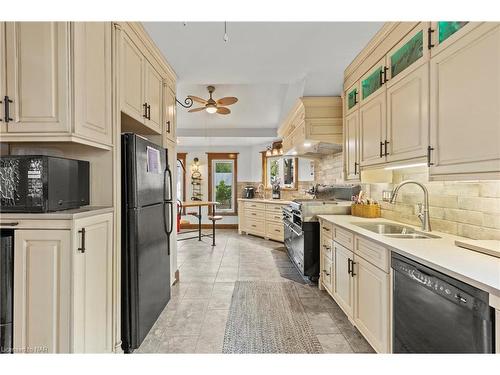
(209, 226)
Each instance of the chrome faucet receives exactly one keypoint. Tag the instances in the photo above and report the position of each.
(423, 213)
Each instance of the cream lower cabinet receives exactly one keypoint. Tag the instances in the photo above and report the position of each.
(343, 291)
(355, 272)
(42, 291)
(261, 219)
(63, 288)
(92, 285)
(371, 305)
(464, 116)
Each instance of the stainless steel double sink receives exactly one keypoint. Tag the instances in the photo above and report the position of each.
(395, 230)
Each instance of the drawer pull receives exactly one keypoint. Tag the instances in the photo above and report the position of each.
(328, 230)
(278, 230)
(326, 273)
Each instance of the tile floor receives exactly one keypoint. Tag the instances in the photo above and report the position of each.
(195, 318)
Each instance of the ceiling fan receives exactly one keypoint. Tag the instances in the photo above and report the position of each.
(211, 105)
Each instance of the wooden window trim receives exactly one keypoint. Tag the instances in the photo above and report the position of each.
(264, 172)
(181, 156)
(224, 156)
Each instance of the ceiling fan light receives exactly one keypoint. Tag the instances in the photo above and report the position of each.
(211, 108)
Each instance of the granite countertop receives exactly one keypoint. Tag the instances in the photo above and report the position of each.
(441, 254)
(260, 200)
(76, 213)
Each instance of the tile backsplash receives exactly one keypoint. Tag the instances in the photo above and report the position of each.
(464, 208)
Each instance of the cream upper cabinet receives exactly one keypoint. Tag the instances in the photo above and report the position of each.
(371, 307)
(92, 253)
(443, 34)
(42, 288)
(132, 80)
(170, 113)
(352, 98)
(38, 67)
(154, 98)
(408, 116)
(344, 282)
(351, 147)
(407, 55)
(372, 127)
(464, 102)
(92, 80)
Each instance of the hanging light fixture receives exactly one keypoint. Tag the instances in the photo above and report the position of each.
(226, 37)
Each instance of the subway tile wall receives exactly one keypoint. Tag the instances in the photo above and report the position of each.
(464, 208)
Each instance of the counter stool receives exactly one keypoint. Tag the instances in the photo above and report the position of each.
(213, 218)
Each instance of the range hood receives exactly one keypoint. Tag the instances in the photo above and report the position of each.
(313, 127)
(315, 150)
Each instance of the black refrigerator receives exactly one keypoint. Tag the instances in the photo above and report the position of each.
(147, 222)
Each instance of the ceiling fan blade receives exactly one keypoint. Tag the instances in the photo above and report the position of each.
(228, 100)
(197, 99)
(223, 111)
(196, 109)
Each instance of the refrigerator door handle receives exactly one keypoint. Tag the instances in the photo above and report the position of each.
(171, 204)
(169, 198)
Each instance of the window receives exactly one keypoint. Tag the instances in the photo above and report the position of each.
(280, 169)
(222, 181)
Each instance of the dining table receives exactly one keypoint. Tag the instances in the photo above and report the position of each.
(199, 204)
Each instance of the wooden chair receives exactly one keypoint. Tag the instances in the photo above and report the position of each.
(214, 218)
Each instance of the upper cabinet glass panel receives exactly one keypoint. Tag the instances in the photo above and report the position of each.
(446, 29)
(371, 83)
(410, 52)
(352, 98)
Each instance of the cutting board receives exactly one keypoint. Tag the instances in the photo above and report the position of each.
(490, 247)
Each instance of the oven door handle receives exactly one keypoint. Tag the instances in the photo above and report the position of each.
(293, 230)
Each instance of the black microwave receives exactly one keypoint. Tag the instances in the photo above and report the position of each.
(37, 183)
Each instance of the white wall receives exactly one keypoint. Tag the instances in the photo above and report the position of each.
(249, 170)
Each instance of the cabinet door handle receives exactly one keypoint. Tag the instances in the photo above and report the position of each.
(381, 77)
(355, 97)
(82, 248)
(149, 111)
(385, 74)
(352, 268)
(356, 164)
(168, 126)
(145, 115)
(381, 145)
(429, 154)
(6, 103)
(429, 38)
(386, 142)
(348, 265)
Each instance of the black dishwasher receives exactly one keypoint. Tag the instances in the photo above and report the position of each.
(434, 313)
(6, 289)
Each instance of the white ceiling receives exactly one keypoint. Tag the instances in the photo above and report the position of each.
(222, 141)
(267, 65)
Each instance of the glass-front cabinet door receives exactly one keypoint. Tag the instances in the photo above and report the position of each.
(352, 98)
(444, 33)
(372, 81)
(408, 54)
